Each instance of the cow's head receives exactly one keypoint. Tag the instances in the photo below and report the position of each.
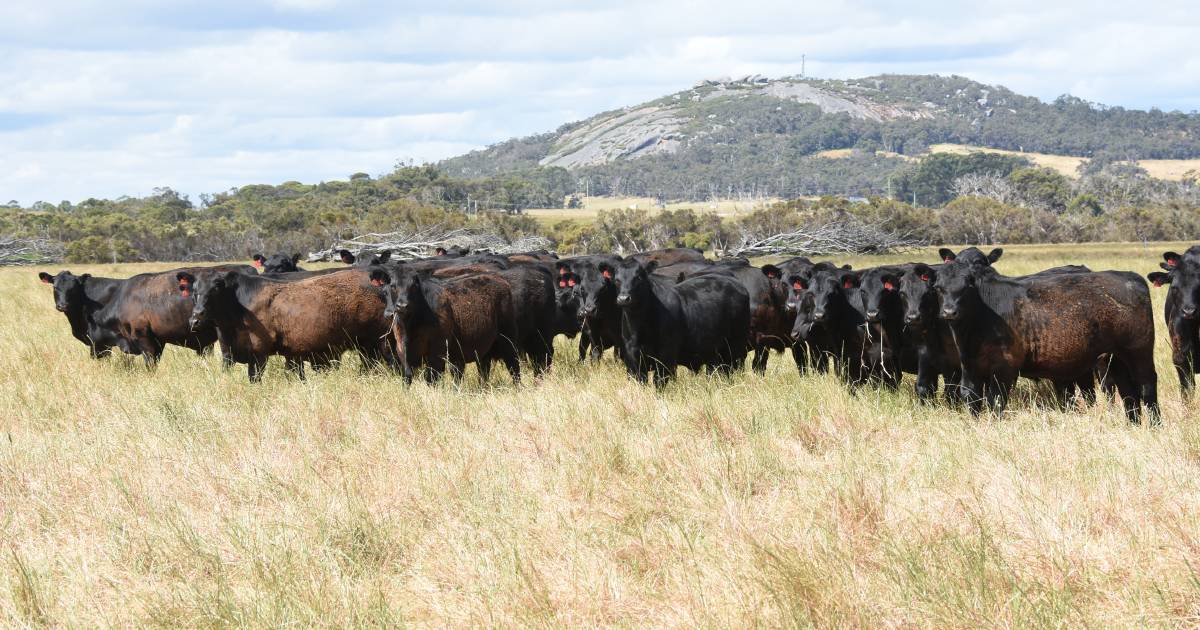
(918, 295)
(631, 279)
(1184, 277)
(401, 290)
(956, 290)
(69, 289)
(828, 290)
(880, 292)
(211, 292)
(971, 256)
(279, 263)
(595, 287)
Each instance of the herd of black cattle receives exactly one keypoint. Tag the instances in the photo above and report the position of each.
(960, 319)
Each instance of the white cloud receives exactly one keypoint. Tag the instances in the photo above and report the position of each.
(104, 99)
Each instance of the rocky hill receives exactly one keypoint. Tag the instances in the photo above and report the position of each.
(754, 132)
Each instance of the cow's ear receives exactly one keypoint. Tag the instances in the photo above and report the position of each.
(295, 258)
(772, 272)
(258, 259)
(798, 282)
(1158, 278)
(186, 282)
(890, 282)
(995, 254)
(606, 270)
(847, 267)
(385, 256)
(45, 278)
(379, 277)
(849, 281)
(1172, 260)
(925, 273)
(947, 255)
(651, 266)
(85, 277)
(439, 251)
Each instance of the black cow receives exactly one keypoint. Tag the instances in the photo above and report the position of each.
(599, 316)
(348, 257)
(812, 346)
(148, 313)
(279, 263)
(79, 297)
(1052, 326)
(454, 251)
(700, 322)
(1183, 298)
(770, 324)
(834, 326)
(534, 311)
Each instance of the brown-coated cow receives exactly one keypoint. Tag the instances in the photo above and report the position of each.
(315, 319)
(455, 321)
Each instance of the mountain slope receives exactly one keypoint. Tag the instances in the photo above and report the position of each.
(752, 131)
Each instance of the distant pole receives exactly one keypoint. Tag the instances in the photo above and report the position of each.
(802, 66)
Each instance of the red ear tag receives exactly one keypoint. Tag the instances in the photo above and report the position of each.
(924, 277)
(562, 271)
(847, 285)
(772, 275)
(798, 286)
(185, 289)
(562, 284)
(607, 274)
(1172, 262)
(376, 282)
(946, 260)
(571, 282)
(1158, 283)
(889, 286)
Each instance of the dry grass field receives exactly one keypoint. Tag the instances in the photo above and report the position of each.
(189, 497)
(1068, 165)
(593, 205)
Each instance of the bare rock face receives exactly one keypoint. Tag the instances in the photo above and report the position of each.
(655, 129)
(638, 132)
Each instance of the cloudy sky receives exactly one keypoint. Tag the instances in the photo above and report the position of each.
(118, 97)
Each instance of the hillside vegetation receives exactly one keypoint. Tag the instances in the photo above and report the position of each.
(189, 497)
(758, 136)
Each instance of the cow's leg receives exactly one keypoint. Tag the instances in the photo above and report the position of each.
(152, 350)
(512, 361)
(927, 377)
(1145, 379)
(800, 355)
(254, 369)
(583, 347)
(759, 363)
(1183, 355)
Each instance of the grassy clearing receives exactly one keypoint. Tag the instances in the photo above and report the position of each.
(593, 205)
(190, 497)
(1068, 165)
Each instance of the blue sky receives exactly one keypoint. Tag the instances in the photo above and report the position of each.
(118, 97)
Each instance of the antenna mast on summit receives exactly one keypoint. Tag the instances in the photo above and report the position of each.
(802, 66)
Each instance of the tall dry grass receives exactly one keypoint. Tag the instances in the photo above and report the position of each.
(189, 497)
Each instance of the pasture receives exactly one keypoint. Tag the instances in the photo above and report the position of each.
(190, 497)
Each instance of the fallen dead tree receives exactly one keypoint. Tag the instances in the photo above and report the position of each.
(409, 245)
(839, 236)
(29, 251)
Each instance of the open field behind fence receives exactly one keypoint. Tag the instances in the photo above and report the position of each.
(191, 497)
